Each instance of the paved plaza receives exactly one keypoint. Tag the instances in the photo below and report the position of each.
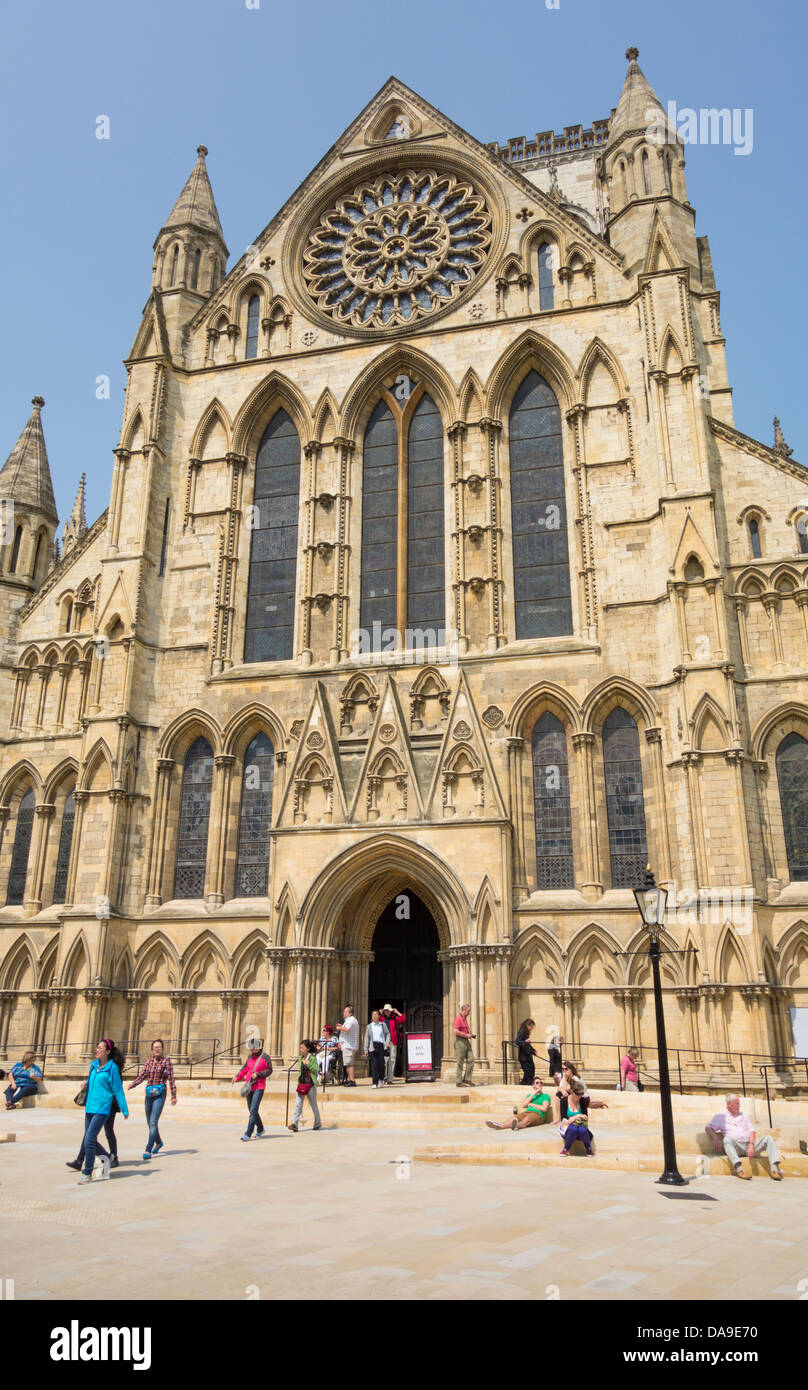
(343, 1213)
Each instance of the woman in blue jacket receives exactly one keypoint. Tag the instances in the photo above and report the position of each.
(103, 1086)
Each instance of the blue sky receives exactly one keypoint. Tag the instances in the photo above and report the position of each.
(268, 90)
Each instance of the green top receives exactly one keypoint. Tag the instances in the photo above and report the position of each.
(536, 1102)
(311, 1063)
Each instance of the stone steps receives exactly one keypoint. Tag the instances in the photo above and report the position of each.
(690, 1164)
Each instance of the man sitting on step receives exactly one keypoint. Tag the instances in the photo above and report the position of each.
(734, 1133)
(536, 1111)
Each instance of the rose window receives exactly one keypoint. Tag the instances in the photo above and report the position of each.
(393, 251)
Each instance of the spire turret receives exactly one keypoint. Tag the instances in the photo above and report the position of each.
(76, 524)
(190, 248)
(25, 477)
(639, 106)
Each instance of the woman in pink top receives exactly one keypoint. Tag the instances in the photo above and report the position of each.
(255, 1071)
(629, 1074)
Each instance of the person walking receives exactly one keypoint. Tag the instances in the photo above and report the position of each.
(629, 1071)
(158, 1073)
(377, 1041)
(306, 1085)
(464, 1052)
(554, 1047)
(25, 1077)
(526, 1052)
(103, 1086)
(395, 1021)
(348, 1043)
(109, 1124)
(254, 1074)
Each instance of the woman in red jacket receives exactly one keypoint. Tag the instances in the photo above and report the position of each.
(254, 1074)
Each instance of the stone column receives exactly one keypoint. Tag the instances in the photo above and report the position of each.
(181, 999)
(691, 996)
(134, 1020)
(716, 1020)
(157, 849)
(218, 830)
(761, 770)
(232, 999)
(516, 802)
(36, 859)
(772, 606)
(653, 738)
(7, 1001)
(734, 757)
(96, 1000)
(39, 998)
(584, 745)
(690, 762)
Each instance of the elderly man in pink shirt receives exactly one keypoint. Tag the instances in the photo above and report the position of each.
(733, 1131)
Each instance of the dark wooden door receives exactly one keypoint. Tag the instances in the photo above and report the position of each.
(406, 971)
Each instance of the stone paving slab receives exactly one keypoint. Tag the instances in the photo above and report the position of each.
(215, 1218)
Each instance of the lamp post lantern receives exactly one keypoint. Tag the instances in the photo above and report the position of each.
(651, 901)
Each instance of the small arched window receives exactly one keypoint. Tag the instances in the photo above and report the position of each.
(754, 537)
(65, 846)
(22, 846)
(174, 263)
(802, 534)
(625, 806)
(666, 170)
(545, 276)
(646, 173)
(551, 804)
(253, 311)
(15, 551)
(252, 864)
(195, 270)
(39, 557)
(68, 614)
(792, 778)
(192, 835)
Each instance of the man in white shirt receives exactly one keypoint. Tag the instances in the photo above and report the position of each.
(349, 1042)
(733, 1131)
(377, 1039)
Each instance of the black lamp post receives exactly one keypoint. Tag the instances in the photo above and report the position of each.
(651, 902)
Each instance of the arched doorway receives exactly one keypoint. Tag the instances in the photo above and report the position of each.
(406, 972)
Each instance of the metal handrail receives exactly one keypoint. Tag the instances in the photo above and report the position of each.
(773, 1061)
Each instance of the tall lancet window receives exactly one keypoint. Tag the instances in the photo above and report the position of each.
(252, 865)
(792, 777)
(625, 806)
(22, 847)
(545, 276)
(270, 628)
(253, 310)
(551, 805)
(192, 835)
(403, 593)
(541, 571)
(65, 846)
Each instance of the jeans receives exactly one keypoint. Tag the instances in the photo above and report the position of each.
(391, 1062)
(154, 1109)
(109, 1131)
(254, 1105)
(93, 1124)
(16, 1093)
(377, 1063)
(735, 1149)
(312, 1099)
(573, 1132)
(464, 1053)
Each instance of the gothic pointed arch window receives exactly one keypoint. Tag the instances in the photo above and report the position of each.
(555, 867)
(253, 312)
(195, 269)
(192, 835)
(255, 820)
(270, 626)
(646, 173)
(754, 537)
(802, 534)
(625, 805)
(545, 276)
(403, 595)
(21, 850)
(65, 846)
(175, 256)
(15, 551)
(541, 572)
(792, 778)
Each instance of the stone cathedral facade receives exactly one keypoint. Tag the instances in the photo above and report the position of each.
(437, 594)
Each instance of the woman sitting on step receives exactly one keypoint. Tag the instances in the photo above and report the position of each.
(537, 1110)
(575, 1125)
(572, 1077)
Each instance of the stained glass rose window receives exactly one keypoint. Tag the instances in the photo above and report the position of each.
(394, 250)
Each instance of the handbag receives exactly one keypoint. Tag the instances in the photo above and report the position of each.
(158, 1089)
(640, 1086)
(303, 1087)
(246, 1089)
(80, 1098)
